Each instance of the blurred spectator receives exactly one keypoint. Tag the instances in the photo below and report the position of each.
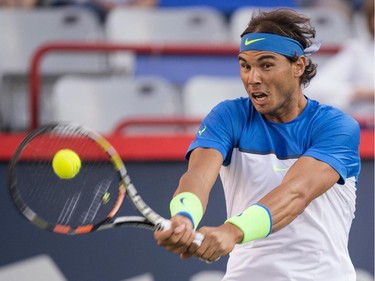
(347, 79)
(101, 7)
(18, 3)
(227, 7)
(347, 7)
(110, 4)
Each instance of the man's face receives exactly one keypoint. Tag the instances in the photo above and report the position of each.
(272, 83)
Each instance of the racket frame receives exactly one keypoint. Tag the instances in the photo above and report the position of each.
(149, 219)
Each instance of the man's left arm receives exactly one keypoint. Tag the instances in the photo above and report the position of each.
(306, 180)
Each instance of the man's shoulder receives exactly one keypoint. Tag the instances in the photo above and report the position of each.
(327, 114)
(234, 107)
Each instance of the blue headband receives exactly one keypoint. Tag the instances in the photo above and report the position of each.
(271, 43)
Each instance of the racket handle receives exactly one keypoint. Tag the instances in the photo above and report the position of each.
(198, 239)
(166, 224)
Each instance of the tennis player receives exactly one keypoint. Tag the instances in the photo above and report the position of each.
(288, 164)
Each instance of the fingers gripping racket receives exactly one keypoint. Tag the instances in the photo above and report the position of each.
(88, 201)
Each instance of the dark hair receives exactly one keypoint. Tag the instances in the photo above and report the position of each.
(288, 23)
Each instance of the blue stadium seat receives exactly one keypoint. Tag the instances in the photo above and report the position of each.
(179, 69)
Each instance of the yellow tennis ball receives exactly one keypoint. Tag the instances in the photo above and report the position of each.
(66, 163)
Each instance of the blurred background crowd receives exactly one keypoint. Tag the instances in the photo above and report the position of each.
(345, 65)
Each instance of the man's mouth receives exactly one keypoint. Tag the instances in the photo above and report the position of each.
(259, 97)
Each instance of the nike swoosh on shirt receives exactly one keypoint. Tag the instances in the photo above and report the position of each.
(278, 169)
(248, 42)
(200, 132)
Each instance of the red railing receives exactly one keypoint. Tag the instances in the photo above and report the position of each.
(163, 147)
(178, 124)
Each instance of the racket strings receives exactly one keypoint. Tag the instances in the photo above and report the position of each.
(68, 209)
(85, 199)
(97, 201)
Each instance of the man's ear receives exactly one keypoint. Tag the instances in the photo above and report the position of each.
(299, 66)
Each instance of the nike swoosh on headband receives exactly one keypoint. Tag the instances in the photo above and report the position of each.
(275, 43)
(248, 42)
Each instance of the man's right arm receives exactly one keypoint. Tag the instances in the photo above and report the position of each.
(203, 170)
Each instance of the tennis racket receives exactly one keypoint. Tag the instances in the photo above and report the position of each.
(88, 202)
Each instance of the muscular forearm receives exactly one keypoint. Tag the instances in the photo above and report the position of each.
(305, 181)
(192, 182)
(285, 204)
(203, 170)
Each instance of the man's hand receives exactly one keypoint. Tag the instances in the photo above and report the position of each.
(218, 241)
(179, 237)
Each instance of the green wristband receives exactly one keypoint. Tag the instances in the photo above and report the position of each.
(189, 205)
(255, 222)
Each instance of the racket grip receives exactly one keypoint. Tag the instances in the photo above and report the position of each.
(198, 239)
(166, 224)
